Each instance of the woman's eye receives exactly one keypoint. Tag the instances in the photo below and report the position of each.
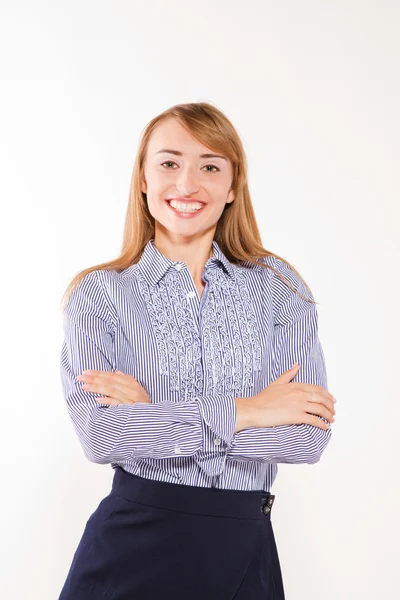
(213, 167)
(171, 162)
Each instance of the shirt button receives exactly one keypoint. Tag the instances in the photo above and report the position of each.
(177, 450)
(217, 441)
(191, 294)
(178, 267)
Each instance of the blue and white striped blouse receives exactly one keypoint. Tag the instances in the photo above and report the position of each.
(193, 355)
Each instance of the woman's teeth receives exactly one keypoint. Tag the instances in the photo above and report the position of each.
(182, 207)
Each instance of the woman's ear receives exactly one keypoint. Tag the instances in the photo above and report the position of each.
(231, 197)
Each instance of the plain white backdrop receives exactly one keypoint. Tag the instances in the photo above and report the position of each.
(313, 90)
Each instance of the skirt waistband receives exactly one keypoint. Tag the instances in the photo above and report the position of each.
(217, 502)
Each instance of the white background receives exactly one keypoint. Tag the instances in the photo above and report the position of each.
(313, 90)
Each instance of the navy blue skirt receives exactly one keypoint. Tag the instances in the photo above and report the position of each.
(151, 539)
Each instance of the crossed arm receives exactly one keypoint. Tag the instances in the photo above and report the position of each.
(203, 428)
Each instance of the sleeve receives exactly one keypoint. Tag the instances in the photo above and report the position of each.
(112, 433)
(295, 340)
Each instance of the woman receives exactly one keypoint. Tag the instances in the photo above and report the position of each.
(178, 369)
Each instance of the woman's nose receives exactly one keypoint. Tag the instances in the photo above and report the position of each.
(186, 183)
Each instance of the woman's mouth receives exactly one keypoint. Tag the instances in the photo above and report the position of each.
(185, 210)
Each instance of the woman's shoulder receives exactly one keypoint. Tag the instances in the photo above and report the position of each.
(94, 295)
(288, 292)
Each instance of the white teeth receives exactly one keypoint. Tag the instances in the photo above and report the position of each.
(182, 207)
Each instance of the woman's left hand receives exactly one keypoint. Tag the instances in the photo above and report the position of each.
(117, 387)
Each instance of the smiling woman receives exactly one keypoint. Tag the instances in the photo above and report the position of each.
(180, 343)
(194, 191)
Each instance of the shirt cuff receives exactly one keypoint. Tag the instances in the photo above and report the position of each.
(219, 414)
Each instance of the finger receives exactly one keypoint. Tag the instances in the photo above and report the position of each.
(321, 399)
(92, 376)
(317, 422)
(106, 379)
(288, 375)
(120, 382)
(111, 392)
(114, 384)
(310, 387)
(324, 406)
(101, 388)
(106, 400)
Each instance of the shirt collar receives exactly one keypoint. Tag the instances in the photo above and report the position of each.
(153, 264)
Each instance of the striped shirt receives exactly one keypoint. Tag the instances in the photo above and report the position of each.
(193, 355)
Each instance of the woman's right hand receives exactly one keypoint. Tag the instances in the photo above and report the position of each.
(285, 403)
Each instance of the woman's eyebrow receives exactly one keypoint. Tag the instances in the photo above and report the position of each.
(177, 153)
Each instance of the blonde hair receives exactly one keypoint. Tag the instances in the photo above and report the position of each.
(236, 233)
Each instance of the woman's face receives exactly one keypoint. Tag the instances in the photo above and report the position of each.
(174, 168)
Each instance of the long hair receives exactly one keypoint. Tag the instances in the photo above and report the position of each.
(236, 232)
